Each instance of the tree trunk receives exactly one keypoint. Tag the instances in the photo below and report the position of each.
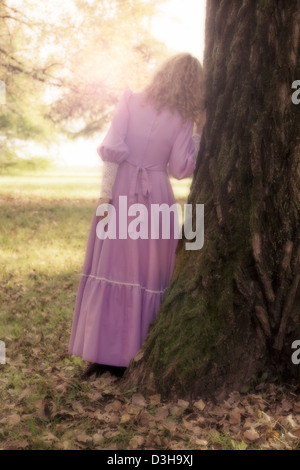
(232, 310)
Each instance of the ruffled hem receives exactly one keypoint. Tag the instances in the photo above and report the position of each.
(111, 320)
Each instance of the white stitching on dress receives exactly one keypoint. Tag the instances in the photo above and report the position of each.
(125, 284)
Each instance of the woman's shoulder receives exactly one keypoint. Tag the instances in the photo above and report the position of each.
(127, 93)
(137, 99)
(133, 96)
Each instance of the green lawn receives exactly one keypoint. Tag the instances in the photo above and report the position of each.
(45, 221)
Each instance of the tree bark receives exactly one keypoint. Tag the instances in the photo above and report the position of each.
(232, 310)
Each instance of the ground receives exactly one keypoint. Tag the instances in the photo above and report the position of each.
(45, 221)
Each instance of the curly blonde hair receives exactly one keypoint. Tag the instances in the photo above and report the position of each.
(179, 85)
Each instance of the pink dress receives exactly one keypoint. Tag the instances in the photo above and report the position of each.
(124, 281)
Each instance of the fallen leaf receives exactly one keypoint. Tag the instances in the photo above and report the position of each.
(288, 421)
(17, 445)
(44, 408)
(200, 405)
(125, 418)
(177, 410)
(155, 399)
(297, 407)
(49, 437)
(217, 446)
(161, 413)
(183, 403)
(136, 441)
(138, 400)
(94, 396)
(199, 442)
(251, 435)
(144, 418)
(115, 406)
(66, 445)
(97, 438)
(169, 425)
(286, 405)
(290, 436)
(235, 416)
(13, 419)
(83, 438)
(297, 432)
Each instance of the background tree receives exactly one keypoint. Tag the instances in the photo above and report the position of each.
(65, 65)
(21, 117)
(232, 310)
(113, 49)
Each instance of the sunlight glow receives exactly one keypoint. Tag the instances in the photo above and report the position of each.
(180, 25)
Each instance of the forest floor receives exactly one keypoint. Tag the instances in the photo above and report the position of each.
(45, 221)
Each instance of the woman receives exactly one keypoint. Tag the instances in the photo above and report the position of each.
(124, 279)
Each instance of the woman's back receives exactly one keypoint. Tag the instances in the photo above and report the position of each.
(142, 137)
(150, 136)
(128, 268)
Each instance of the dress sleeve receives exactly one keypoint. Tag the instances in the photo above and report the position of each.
(197, 139)
(109, 172)
(182, 161)
(114, 148)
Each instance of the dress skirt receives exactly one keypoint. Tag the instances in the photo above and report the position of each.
(123, 281)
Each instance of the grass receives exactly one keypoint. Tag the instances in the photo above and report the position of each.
(45, 221)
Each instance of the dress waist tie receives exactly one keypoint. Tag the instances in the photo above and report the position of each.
(141, 173)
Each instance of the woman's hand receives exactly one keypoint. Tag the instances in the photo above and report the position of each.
(201, 123)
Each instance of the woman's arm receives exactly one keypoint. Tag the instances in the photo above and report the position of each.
(182, 159)
(199, 125)
(109, 173)
(197, 139)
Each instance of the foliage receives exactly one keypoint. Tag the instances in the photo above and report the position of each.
(64, 65)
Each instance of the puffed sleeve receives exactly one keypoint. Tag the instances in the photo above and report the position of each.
(114, 148)
(182, 161)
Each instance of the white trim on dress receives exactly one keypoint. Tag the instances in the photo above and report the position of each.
(126, 284)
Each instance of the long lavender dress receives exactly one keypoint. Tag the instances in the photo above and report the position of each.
(124, 281)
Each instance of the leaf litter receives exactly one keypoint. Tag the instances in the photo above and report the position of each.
(45, 404)
(95, 414)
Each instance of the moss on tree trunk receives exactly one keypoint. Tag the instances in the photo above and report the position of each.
(232, 310)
